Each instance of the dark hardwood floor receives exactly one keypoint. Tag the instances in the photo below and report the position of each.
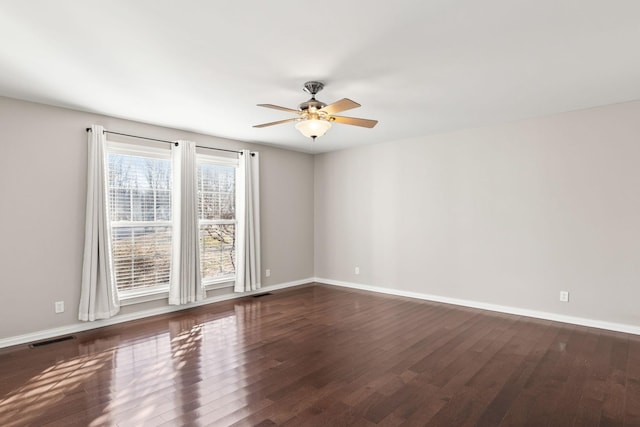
(324, 356)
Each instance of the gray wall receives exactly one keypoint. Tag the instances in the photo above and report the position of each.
(506, 215)
(42, 188)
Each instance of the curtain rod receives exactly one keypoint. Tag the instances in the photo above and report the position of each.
(168, 142)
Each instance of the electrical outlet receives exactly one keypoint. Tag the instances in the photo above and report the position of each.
(267, 272)
(59, 306)
(357, 270)
(564, 296)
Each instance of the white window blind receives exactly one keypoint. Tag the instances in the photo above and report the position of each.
(217, 218)
(139, 185)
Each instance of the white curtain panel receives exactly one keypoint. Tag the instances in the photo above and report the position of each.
(98, 297)
(185, 282)
(248, 217)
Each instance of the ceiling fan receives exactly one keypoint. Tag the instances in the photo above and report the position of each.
(315, 117)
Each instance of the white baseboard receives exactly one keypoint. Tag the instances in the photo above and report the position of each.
(85, 326)
(618, 327)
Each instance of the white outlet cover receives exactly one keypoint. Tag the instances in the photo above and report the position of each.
(59, 306)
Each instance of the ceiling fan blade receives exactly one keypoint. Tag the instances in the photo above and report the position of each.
(264, 125)
(343, 105)
(365, 123)
(277, 107)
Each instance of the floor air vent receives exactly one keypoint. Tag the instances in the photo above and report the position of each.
(51, 341)
(262, 295)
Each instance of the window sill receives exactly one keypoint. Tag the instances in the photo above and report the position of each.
(145, 295)
(219, 285)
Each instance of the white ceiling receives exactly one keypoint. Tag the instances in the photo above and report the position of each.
(419, 67)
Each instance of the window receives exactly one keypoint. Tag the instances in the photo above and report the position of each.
(173, 226)
(139, 187)
(139, 184)
(217, 218)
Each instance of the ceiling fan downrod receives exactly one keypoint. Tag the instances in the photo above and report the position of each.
(313, 88)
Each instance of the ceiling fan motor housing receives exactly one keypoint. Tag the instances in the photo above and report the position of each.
(305, 106)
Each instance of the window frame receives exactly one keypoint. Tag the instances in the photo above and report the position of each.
(218, 160)
(132, 296)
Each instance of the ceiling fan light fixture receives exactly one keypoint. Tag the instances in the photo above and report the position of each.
(313, 128)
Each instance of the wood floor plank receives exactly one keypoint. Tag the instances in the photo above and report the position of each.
(318, 355)
(529, 355)
(577, 370)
